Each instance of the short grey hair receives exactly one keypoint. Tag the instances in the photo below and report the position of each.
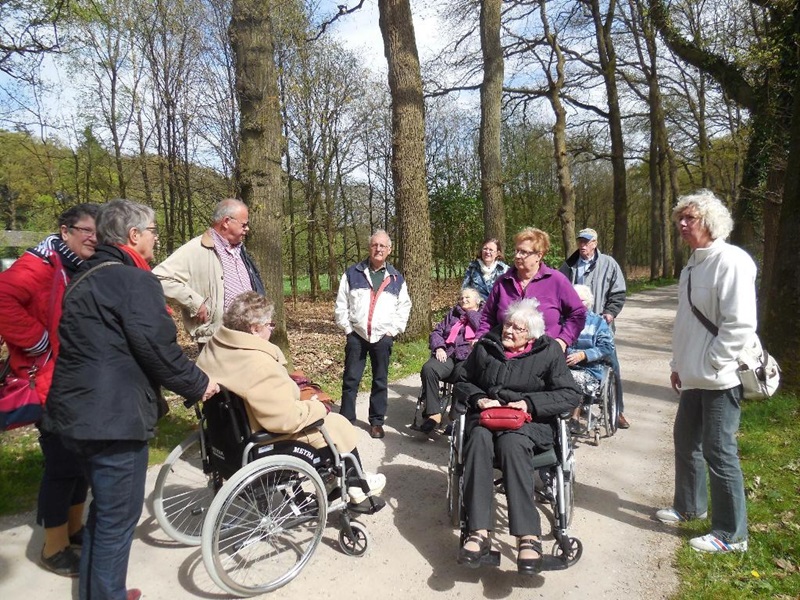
(227, 208)
(473, 292)
(585, 294)
(527, 311)
(247, 309)
(713, 213)
(117, 217)
(378, 232)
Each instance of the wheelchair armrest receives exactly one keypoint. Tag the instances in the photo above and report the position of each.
(315, 425)
(565, 416)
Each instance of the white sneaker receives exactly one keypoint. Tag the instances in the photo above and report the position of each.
(670, 515)
(375, 481)
(711, 543)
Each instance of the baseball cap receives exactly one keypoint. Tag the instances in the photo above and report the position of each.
(587, 234)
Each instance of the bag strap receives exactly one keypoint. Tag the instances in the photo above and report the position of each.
(712, 329)
(74, 283)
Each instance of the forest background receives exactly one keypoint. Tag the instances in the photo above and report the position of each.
(557, 114)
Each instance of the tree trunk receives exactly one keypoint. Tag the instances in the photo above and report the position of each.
(494, 220)
(260, 174)
(408, 158)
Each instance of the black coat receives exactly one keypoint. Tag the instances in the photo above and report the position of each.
(118, 347)
(540, 377)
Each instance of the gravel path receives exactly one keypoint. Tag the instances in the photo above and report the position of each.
(413, 548)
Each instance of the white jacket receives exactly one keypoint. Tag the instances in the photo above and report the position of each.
(371, 315)
(723, 289)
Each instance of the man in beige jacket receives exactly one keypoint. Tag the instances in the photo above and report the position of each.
(205, 274)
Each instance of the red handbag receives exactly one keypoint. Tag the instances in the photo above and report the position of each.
(504, 418)
(20, 404)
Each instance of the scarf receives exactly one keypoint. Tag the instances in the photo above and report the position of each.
(53, 244)
(514, 353)
(138, 260)
(488, 271)
(463, 322)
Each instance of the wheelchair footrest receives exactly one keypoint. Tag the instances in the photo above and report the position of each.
(492, 559)
(368, 506)
(553, 563)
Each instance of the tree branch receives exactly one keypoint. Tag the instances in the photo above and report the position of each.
(343, 10)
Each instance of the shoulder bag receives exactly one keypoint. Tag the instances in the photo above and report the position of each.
(758, 370)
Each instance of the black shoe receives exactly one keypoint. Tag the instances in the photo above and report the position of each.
(377, 432)
(529, 566)
(65, 563)
(472, 558)
(428, 425)
(76, 539)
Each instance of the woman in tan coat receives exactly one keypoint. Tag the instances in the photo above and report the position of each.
(240, 357)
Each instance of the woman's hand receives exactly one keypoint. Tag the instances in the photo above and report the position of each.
(675, 380)
(519, 405)
(485, 403)
(441, 355)
(576, 357)
(562, 343)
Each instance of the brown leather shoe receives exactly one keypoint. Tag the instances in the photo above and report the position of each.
(622, 422)
(377, 432)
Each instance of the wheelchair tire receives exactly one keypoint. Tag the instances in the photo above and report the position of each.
(610, 405)
(573, 552)
(264, 525)
(358, 543)
(183, 492)
(455, 473)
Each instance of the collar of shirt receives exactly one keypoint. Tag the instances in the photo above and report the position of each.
(223, 245)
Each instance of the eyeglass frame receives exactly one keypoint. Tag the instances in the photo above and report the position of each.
(525, 253)
(84, 230)
(515, 328)
(245, 224)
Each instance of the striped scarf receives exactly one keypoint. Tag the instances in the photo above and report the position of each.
(54, 244)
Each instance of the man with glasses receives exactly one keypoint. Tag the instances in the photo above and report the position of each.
(372, 308)
(205, 274)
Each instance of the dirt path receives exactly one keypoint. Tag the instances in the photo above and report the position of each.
(413, 549)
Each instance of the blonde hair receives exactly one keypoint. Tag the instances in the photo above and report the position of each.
(540, 239)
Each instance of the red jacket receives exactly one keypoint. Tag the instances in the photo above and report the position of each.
(25, 304)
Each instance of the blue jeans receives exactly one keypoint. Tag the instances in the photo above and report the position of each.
(705, 435)
(117, 475)
(355, 359)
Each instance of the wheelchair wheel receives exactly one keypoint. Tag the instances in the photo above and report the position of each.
(610, 399)
(264, 525)
(455, 473)
(357, 544)
(569, 498)
(571, 554)
(183, 492)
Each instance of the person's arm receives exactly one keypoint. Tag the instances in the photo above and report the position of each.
(615, 298)
(560, 395)
(489, 311)
(20, 286)
(341, 311)
(737, 309)
(573, 313)
(602, 344)
(175, 276)
(439, 334)
(402, 309)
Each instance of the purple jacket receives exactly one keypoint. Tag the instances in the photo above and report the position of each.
(563, 311)
(461, 348)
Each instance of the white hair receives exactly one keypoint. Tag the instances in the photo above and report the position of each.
(527, 311)
(714, 215)
(585, 294)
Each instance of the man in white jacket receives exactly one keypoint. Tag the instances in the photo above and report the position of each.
(718, 282)
(372, 308)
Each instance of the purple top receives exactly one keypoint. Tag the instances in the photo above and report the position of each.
(461, 348)
(559, 303)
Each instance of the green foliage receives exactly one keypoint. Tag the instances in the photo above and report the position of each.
(770, 454)
(456, 227)
(21, 466)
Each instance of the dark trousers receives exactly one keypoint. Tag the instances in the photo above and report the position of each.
(355, 359)
(117, 475)
(514, 453)
(63, 484)
(433, 373)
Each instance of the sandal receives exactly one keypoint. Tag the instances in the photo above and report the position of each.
(472, 558)
(529, 566)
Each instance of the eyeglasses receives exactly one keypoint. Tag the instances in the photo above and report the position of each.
(515, 328)
(271, 325)
(489, 251)
(87, 232)
(524, 253)
(244, 224)
(379, 246)
(688, 219)
(153, 229)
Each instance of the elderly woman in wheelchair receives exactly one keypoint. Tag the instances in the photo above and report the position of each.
(451, 342)
(590, 359)
(245, 362)
(515, 366)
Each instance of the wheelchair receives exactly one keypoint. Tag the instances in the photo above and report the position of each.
(558, 467)
(600, 405)
(255, 503)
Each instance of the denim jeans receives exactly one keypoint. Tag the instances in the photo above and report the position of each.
(355, 359)
(705, 435)
(117, 476)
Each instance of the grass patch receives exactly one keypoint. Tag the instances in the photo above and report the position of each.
(21, 467)
(770, 450)
(635, 286)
